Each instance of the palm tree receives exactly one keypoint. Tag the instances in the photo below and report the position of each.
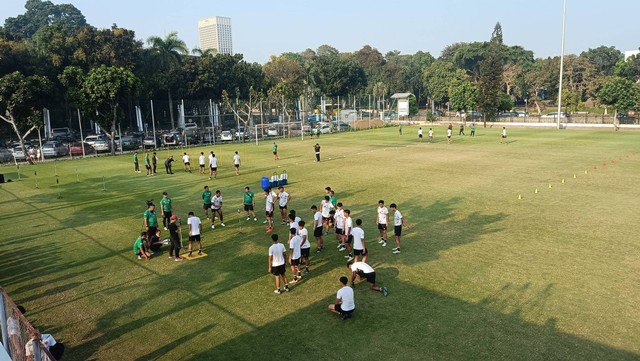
(167, 53)
(207, 52)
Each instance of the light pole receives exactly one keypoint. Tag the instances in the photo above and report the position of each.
(526, 107)
(564, 18)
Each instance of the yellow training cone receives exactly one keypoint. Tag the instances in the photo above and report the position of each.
(519, 196)
(585, 171)
(562, 180)
(574, 176)
(549, 185)
(536, 191)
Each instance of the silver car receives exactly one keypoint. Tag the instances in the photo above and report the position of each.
(54, 149)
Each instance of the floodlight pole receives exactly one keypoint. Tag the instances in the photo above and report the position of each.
(564, 20)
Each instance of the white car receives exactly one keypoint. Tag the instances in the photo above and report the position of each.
(54, 149)
(325, 129)
(272, 132)
(226, 136)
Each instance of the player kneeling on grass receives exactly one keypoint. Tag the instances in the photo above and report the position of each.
(138, 247)
(277, 267)
(345, 304)
(360, 270)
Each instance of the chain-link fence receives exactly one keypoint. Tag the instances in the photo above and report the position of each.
(20, 339)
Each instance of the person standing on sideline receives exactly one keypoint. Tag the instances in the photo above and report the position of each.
(316, 148)
(165, 209)
(206, 200)
(213, 166)
(147, 163)
(473, 130)
(400, 128)
(275, 151)
(294, 254)
(249, 203)
(139, 247)
(305, 245)
(216, 208)
(283, 200)
(430, 135)
(187, 162)
(345, 304)
(359, 248)
(504, 136)
(461, 132)
(195, 228)
(268, 197)
(236, 163)
(201, 162)
(150, 225)
(154, 162)
(167, 165)
(449, 132)
(382, 220)
(398, 222)
(136, 165)
(363, 270)
(277, 260)
(420, 134)
(317, 227)
(174, 235)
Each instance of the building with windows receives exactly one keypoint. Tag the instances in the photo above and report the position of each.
(215, 34)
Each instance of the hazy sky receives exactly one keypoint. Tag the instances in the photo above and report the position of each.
(264, 28)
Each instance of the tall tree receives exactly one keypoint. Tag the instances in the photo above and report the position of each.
(620, 93)
(22, 99)
(104, 88)
(41, 14)
(603, 58)
(490, 79)
(167, 54)
(436, 79)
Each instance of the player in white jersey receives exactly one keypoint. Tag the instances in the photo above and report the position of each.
(283, 201)
(201, 162)
(294, 254)
(277, 263)
(213, 166)
(359, 248)
(398, 222)
(305, 245)
(382, 219)
(325, 208)
(363, 270)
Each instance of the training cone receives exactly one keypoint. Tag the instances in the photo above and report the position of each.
(585, 171)
(595, 168)
(536, 191)
(550, 185)
(574, 176)
(562, 180)
(519, 196)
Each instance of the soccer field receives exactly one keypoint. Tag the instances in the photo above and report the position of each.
(519, 251)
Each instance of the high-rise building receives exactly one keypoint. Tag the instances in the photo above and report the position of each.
(215, 33)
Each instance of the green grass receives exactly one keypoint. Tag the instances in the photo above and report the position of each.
(483, 275)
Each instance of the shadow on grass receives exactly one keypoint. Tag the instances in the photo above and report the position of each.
(431, 326)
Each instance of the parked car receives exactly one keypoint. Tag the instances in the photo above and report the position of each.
(18, 154)
(390, 115)
(325, 129)
(474, 115)
(76, 148)
(508, 115)
(171, 139)
(101, 145)
(54, 149)
(127, 143)
(554, 115)
(522, 113)
(151, 142)
(226, 136)
(6, 155)
(63, 134)
(341, 127)
(91, 139)
(272, 132)
(241, 133)
(436, 112)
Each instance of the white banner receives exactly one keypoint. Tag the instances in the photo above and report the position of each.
(139, 119)
(47, 123)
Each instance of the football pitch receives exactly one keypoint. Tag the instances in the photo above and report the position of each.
(518, 251)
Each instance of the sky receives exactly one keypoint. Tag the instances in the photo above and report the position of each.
(262, 28)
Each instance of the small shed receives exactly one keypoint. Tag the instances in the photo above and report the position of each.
(403, 103)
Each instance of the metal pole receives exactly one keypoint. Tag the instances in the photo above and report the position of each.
(81, 137)
(564, 19)
(211, 120)
(153, 123)
(40, 141)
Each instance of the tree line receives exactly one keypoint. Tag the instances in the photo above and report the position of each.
(51, 57)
